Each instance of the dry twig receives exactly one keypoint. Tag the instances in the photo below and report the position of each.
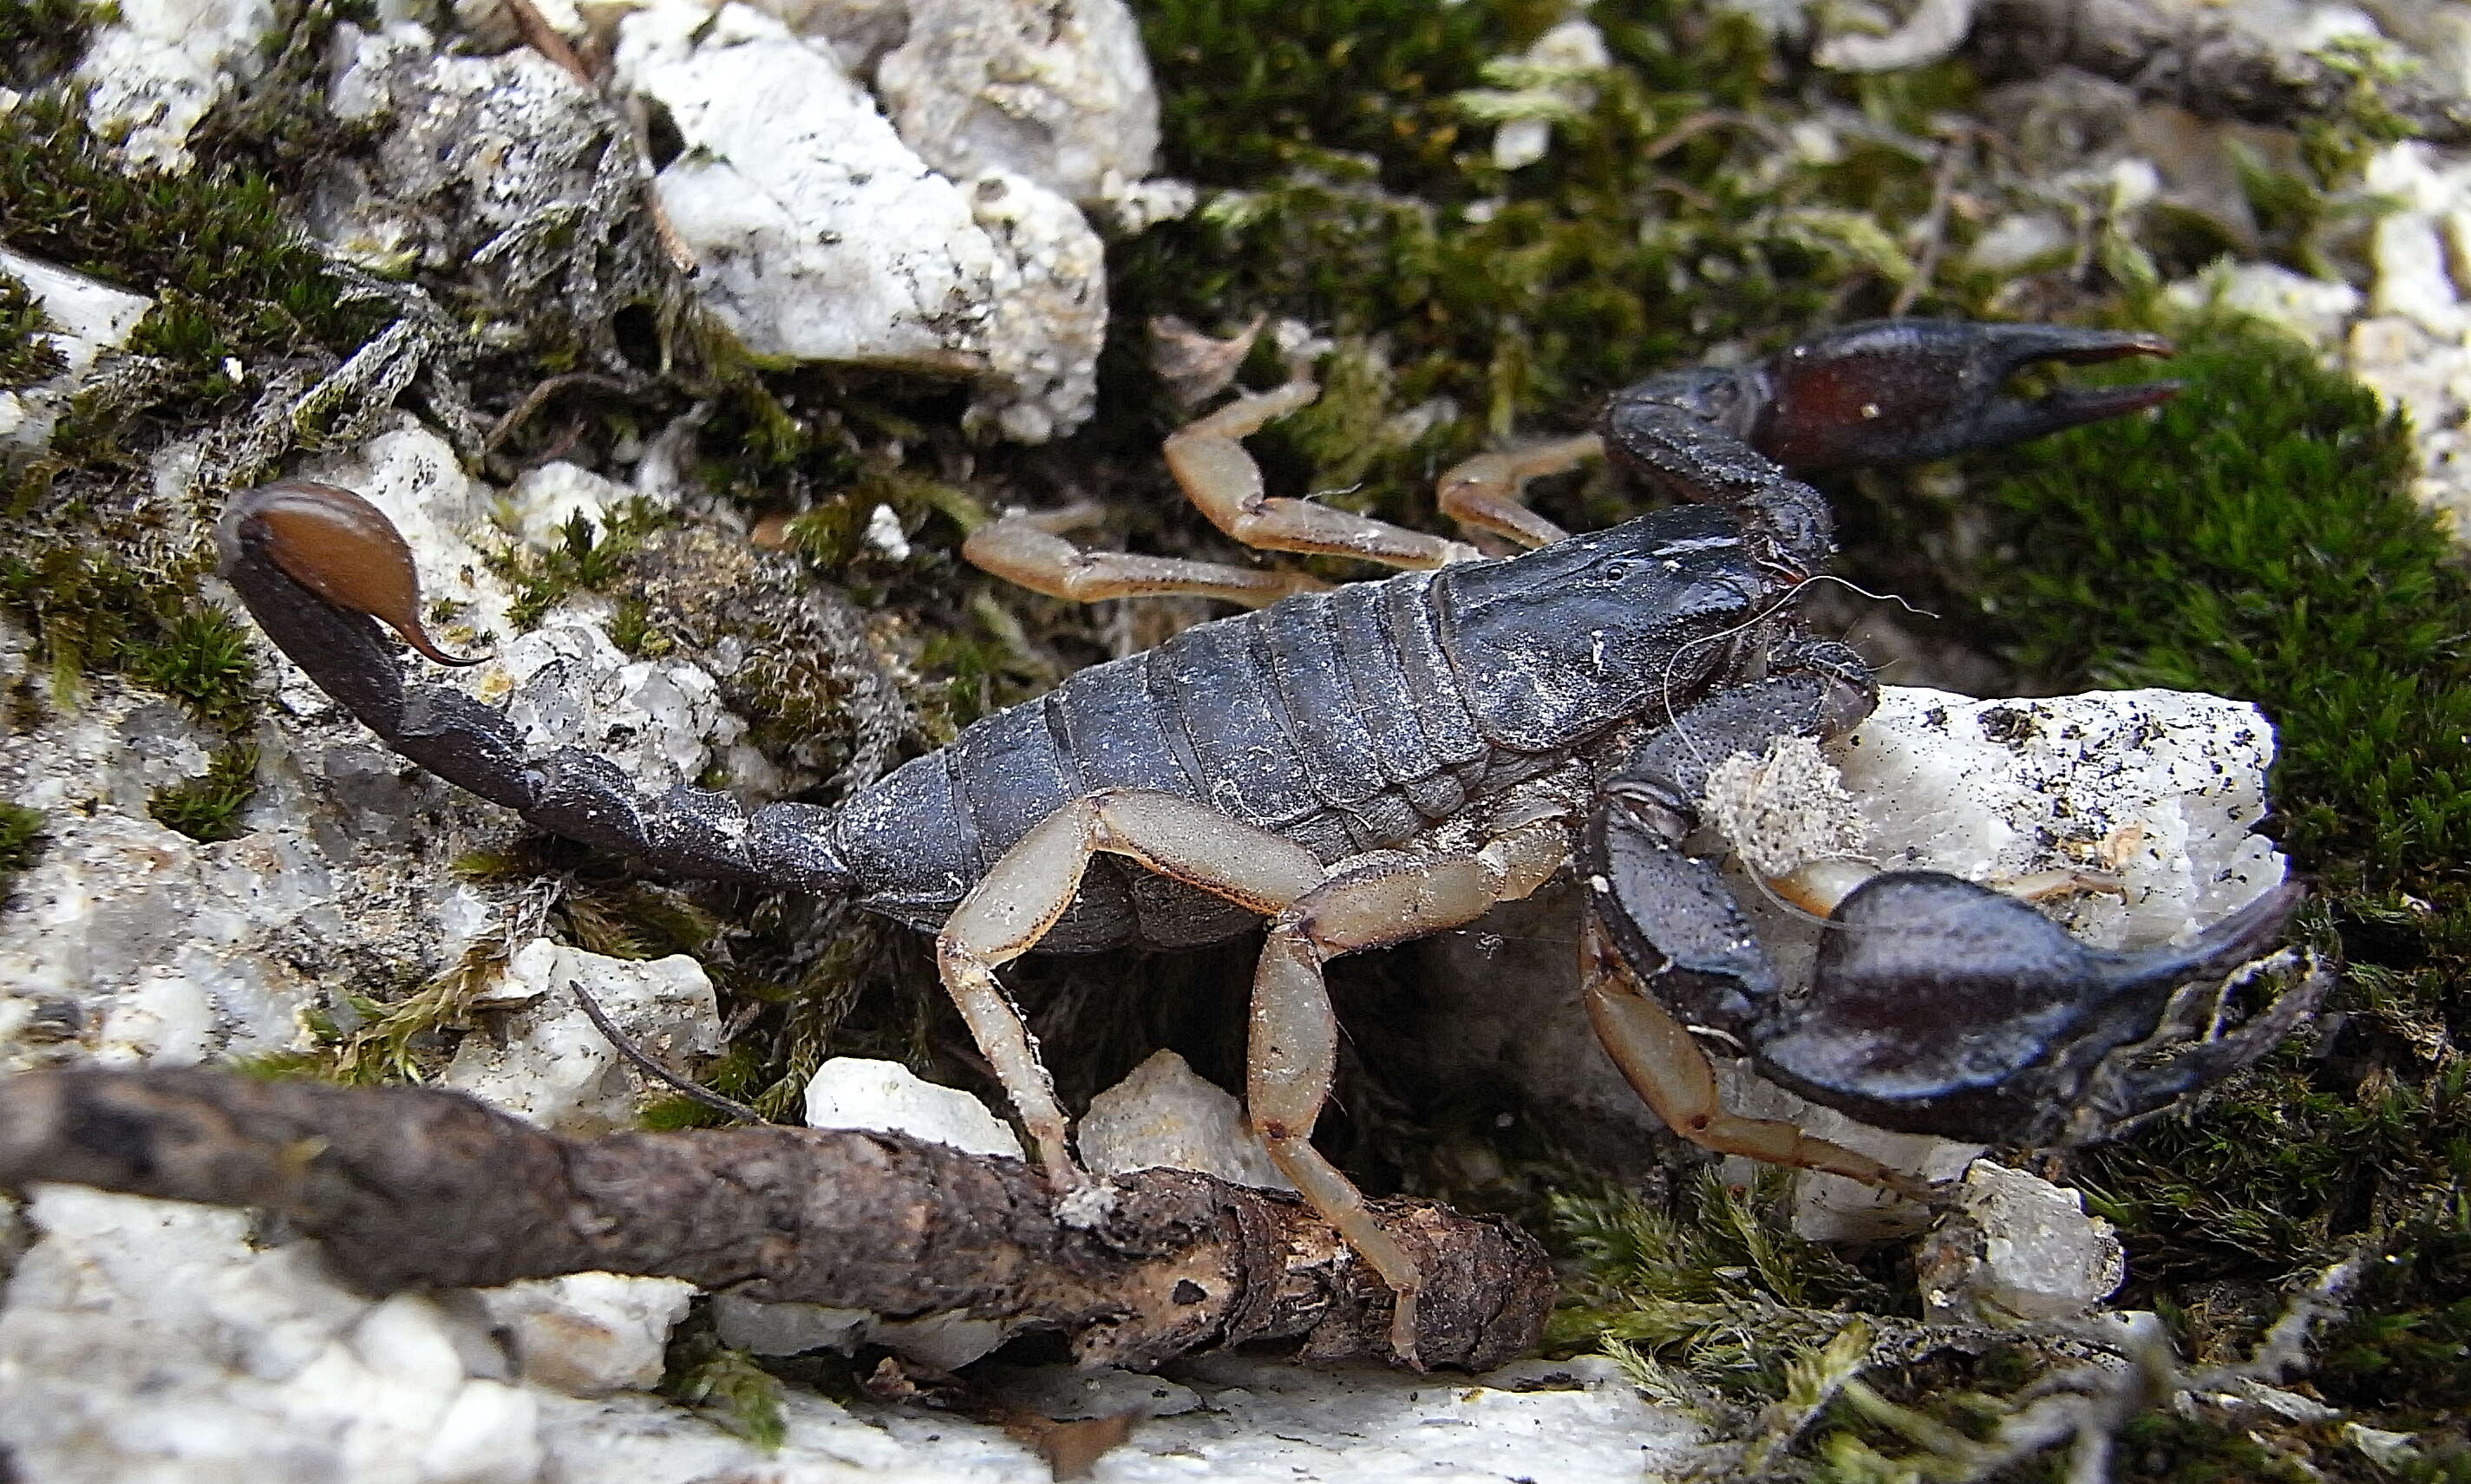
(413, 1188)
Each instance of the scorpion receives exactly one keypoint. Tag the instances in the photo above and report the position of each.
(1367, 764)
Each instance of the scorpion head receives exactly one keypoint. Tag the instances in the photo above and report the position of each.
(1595, 625)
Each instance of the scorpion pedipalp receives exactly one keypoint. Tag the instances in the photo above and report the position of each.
(1905, 390)
(1944, 1007)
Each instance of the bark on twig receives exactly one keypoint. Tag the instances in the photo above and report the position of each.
(413, 1188)
(2196, 55)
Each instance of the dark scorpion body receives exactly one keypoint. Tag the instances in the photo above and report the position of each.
(1445, 738)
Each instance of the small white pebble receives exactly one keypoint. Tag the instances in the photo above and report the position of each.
(883, 533)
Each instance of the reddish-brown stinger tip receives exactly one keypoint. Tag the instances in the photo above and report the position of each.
(344, 549)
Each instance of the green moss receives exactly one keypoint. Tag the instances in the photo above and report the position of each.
(233, 281)
(1352, 145)
(403, 1039)
(585, 558)
(27, 353)
(727, 1385)
(92, 613)
(207, 809)
(22, 839)
(2258, 540)
(39, 39)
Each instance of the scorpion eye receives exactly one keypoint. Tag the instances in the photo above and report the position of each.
(1615, 570)
(341, 548)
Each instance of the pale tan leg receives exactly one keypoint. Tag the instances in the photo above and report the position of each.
(1664, 1065)
(1490, 491)
(1207, 459)
(1294, 1035)
(1294, 1050)
(1816, 888)
(1030, 549)
(1013, 905)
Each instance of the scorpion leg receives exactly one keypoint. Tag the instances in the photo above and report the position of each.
(1208, 460)
(1024, 893)
(1489, 491)
(1028, 549)
(1662, 1062)
(1294, 1035)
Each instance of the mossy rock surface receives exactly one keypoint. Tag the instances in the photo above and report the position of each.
(2256, 538)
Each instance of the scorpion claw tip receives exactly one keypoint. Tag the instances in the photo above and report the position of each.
(2018, 420)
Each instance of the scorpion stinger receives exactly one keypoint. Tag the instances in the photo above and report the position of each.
(271, 536)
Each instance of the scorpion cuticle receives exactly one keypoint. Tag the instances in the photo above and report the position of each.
(1358, 764)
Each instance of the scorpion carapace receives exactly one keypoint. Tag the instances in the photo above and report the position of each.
(1368, 764)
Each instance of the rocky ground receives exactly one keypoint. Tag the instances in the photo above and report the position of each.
(684, 341)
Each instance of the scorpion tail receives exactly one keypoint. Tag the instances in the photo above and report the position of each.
(315, 563)
(1944, 1007)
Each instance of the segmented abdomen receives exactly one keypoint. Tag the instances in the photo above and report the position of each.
(1331, 719)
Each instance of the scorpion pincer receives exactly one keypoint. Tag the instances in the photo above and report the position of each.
(1367, 764)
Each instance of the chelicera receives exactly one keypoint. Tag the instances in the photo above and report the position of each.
(1365, 765)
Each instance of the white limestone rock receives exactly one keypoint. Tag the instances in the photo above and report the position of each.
(2161, 788)
(154, 72)
(822, 237)
(1165, 1114)
(856, 1092)
(2018, 1248)
(547, 498)
(2317, 311)
(1575, 1421)
(588, 1334)
(128, 942)
(2411, 348)
(144, 1341)
(498, 134)
(1059, 93)
(661, 721)
(88, 319)
(546, 1063)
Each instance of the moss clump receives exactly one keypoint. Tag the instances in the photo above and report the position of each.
(39, 39)
(105, 576)
(92, 613)
(237, 288)
(27, 353)
(585, 558)
(2257, 539)
(21, 841)
(1363, 195)
(730, 1386)
(207, 809)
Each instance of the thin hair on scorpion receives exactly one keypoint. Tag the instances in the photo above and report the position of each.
(1673, 717)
